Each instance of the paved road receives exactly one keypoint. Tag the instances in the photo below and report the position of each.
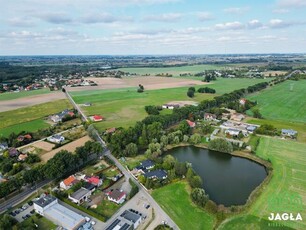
(21, 196)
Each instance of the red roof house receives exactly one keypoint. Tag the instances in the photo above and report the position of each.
(68, 182)
(116, 196)
(191, 123)
(95, 180)
(97, 118)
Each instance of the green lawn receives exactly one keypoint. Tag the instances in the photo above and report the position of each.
(279, 103)
(30, 126)
(107, 208)
(30, 117)
(175, 200)
(123, 107)
(12, 95)
(288, 161)
(42, 222)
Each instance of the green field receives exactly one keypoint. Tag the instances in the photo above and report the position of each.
(123, 107)
(30, 117)
(13, 95)
(30, 126)
(280, 103)
(175, 200)
(288, 160)
(175, 71)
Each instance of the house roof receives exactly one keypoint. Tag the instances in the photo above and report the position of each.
(13, 152)
(131, 216)
(22, 156)
(68, 181)
(147, 163)
(190, 123)
(289, 131)
(89, 186)
(94, 180)
(160, 174)
(44, 201)
(116, 194)
(111, 130)
(79, 194)
(97, 117)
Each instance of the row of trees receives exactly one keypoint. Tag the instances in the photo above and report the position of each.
(206, 90)
(60, 165)
(152, 109)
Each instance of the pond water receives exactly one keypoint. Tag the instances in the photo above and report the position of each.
(227, 179)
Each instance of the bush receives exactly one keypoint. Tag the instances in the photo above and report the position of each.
(190, 93)
(199, 196)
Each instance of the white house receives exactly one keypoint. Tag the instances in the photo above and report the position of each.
(56, 138)
(232, 132)
(68, 182)
(116, 196)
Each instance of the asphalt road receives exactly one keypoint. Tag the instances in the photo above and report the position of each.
(21, 196)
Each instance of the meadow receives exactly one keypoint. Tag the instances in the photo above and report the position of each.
(30, 117)
(124, 107)
(281, 103)
(175, 200)
(288, 160)
(15, 95)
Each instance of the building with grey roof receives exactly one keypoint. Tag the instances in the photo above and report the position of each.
(128, 220)
(80, 195)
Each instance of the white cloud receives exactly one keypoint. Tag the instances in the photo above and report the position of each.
(278, 23)
(291, 3)
(170, 17)
(205, 16)
(254, 24)
(229, 26)
(21, 22)
(236, 10)
(54, 17)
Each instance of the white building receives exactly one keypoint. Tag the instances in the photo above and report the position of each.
(116, 196)
(49, 207)
(56, 138)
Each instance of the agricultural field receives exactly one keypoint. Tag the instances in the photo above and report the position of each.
(175, 71)
(30, 118)
(22, 94)
(175, 200)
(123, 107)
(284, 102)
(288, 160)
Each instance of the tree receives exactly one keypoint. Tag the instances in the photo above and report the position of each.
(190, 93)
(164, 140)
(256, 113)
(220, 145)
(206, 129)
(195, 181)
(195, 139)
(199, 197)
(184, 127)
(185, 138)
(32, 158)
(189, 174)
(131, 150)
(180, 168)
(169, 162)
(140, 89)
(7, 222)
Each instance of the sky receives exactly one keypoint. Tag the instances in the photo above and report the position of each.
(123, 27)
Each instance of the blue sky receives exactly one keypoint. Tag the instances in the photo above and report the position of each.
(47, 27)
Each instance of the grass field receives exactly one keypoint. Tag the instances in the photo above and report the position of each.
(123, 107)
(289, 178)
(175, 71)
(175, 200)
(30, 117)
(279, 103)
(13, 95)
(30, 126)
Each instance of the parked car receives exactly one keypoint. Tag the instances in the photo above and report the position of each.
(148, 206)
(87, 218)
(28, 215)
(12, 213)
(24, 217)
(33, 211)
(93, 223)
(17, 211)
(24, 207)
(30, 203)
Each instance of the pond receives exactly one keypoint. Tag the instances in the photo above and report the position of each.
(227, 179)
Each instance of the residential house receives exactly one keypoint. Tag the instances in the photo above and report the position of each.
(13, 152)
(191, 123)
(59, 116)
(56, 138)
(97, 118)
(251, 128)
(233, 132)
(210, 117)
(68, 182)
(237, 117)
(89, 186)
(242, 101)
(170, 106)
(95, 180)
(80, 196)
(156, 174)
(117, 196)
(3, 146)
(26, 137)
(22, 157)
(289, 132)
(144, 166)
